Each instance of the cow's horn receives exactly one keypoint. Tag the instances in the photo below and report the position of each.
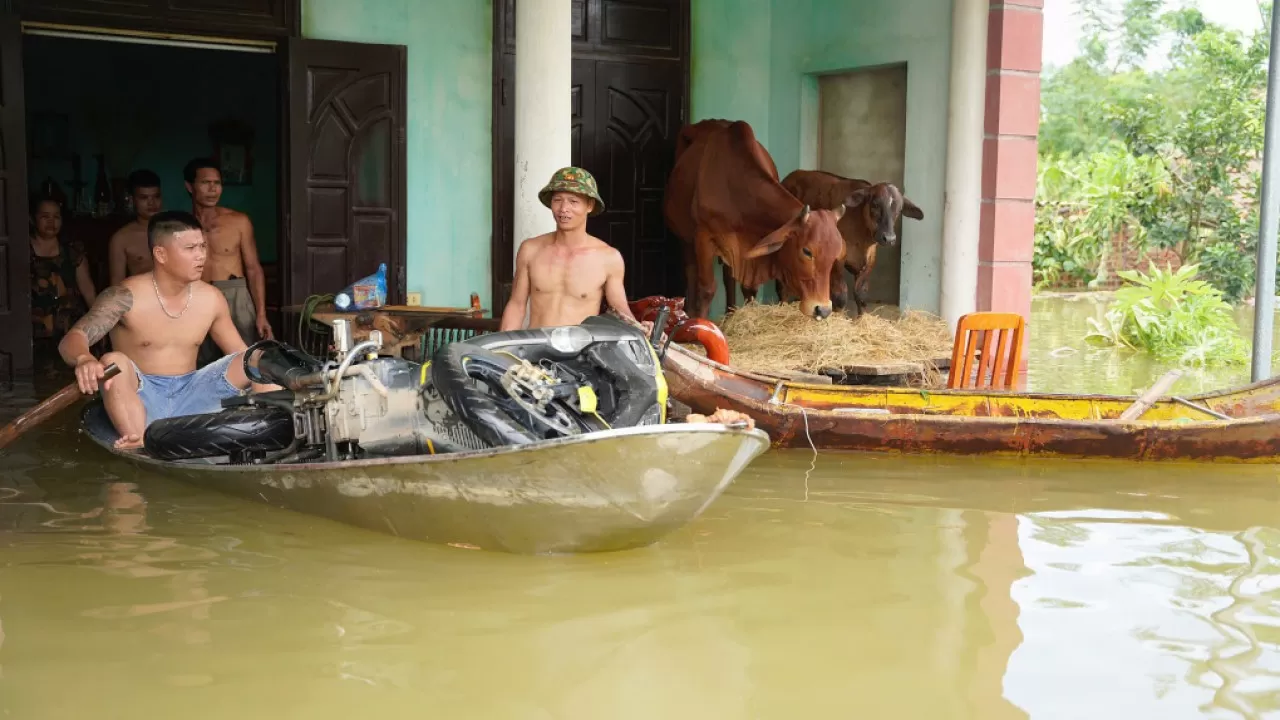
(804, 213)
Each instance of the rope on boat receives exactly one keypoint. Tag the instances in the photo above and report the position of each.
(804, 413)
(306, 323)
(813, 462)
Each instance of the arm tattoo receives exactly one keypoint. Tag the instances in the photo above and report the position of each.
(106, 312)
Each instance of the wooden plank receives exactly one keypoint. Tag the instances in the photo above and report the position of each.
(797, 376)
(1149, 398)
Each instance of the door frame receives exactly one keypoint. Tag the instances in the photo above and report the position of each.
(501, 244)
(135, 24)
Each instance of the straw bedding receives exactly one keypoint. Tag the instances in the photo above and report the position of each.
(765, 338)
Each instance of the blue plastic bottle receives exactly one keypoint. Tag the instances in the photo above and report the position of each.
(367, 292)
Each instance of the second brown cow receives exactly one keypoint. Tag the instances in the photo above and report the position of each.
(872, 220)
(724, 200)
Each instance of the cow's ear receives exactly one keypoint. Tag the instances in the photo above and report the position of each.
(909, 209)
(770, 243)
(856, 198)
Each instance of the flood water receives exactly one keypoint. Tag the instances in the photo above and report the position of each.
(870, 587)
(1059, 360)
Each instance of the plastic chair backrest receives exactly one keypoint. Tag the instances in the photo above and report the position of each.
(1000, 335)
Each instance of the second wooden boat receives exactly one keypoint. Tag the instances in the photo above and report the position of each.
(1239, 425)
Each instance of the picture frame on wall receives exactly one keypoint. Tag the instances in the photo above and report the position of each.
(233, 151)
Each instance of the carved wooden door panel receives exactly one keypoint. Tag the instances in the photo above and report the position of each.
(15, 249)
(637, 116)
(630, 72)
(346, 166)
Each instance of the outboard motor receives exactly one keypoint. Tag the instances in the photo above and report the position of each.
(506, 388)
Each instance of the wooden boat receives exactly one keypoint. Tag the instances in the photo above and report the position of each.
(613, 490)
(1240, 425)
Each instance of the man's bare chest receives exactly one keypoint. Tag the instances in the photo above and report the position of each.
(136, 250)
(152, 327)
(222, 239)
(566, 274)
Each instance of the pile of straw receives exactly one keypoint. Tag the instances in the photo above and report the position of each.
(765, 338)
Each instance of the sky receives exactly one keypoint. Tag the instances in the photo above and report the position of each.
(1062, 26)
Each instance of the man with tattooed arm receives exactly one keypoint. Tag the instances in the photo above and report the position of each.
(157, 321)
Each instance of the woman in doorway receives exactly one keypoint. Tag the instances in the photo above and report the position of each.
(61, 288)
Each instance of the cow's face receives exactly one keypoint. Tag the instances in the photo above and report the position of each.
(879, 207)
(809, 249)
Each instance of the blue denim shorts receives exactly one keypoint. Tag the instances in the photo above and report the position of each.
(197, 392)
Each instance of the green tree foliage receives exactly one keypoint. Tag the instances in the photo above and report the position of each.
(1169, 157)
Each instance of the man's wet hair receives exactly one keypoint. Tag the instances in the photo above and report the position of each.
(196, 165)
(164, 225)
(143, 178)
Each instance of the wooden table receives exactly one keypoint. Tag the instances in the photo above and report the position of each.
(405, 326)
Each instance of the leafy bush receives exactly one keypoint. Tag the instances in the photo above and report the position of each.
(1171, 315)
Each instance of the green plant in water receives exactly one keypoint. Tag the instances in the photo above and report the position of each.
(1171, 315)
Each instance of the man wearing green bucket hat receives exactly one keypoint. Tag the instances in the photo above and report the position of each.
(562, 276)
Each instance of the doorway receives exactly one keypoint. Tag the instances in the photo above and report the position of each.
(630, 78)
(100, 109)
(322, 177)
(863, 134)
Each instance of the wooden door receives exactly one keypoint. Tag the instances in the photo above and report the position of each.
(638, 111)
(15, 248)
(630, 89)
(346, 166)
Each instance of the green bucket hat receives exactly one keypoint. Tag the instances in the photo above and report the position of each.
(574, 180)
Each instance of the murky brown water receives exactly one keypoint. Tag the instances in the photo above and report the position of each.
(876, 587)
(1060, 361)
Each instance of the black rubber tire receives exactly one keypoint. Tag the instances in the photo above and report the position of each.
(221, 433)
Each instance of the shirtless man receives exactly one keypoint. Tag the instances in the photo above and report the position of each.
(157, 321)
(233, 256)
(128, 252)
(562, 276)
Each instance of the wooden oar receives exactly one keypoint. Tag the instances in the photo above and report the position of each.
(1149, 398)
(55, 404)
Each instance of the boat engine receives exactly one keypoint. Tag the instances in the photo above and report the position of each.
(488, 391)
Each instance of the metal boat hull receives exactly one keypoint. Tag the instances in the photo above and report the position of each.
(608, 491)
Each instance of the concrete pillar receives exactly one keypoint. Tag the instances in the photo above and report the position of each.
(962, 192)
(544, 81)
(1014, 46)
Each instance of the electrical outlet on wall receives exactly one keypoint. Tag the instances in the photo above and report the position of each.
(414, 299)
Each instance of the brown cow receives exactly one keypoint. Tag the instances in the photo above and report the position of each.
(724, 200)
(686, 137)
(877, 209)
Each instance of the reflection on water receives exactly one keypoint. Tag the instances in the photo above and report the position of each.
(878, 587)
(1059, 360)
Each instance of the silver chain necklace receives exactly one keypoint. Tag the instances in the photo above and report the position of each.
(159, 299)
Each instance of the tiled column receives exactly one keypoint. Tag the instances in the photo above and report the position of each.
(1006, 235)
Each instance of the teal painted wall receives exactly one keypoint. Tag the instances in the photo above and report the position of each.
(448, 131)
(758, 60)
(826, 36)
(729, 75)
